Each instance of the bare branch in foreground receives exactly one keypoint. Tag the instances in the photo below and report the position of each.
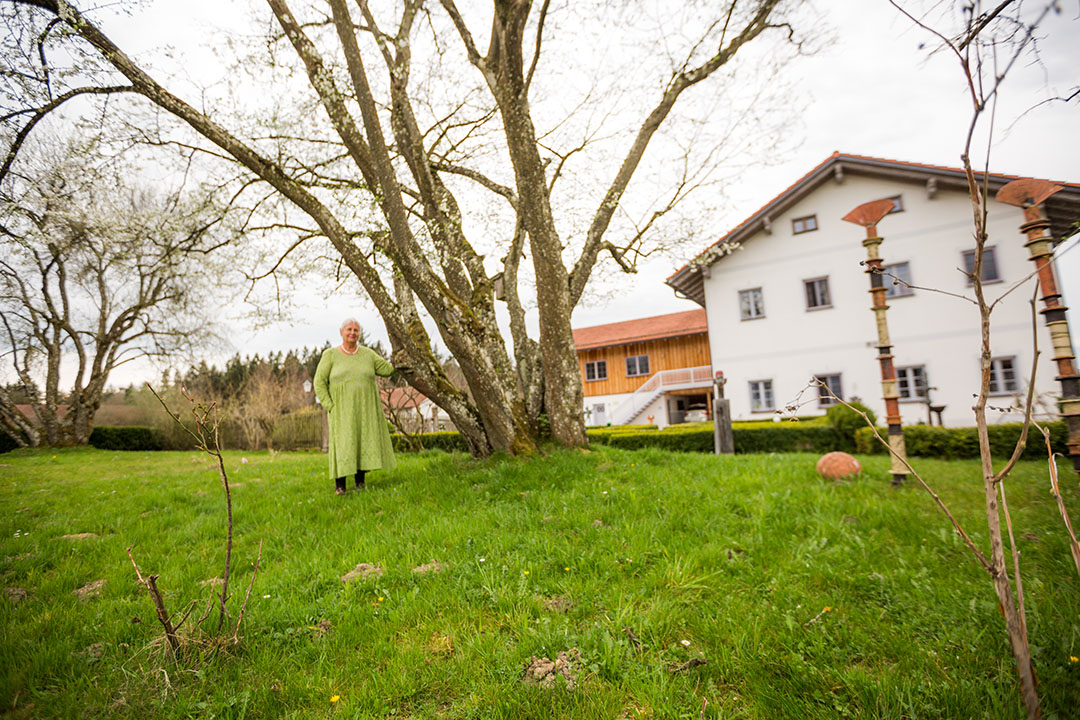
(159, 604)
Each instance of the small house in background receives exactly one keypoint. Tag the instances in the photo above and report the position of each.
(410, 411)
(786, 292)
(652, 370)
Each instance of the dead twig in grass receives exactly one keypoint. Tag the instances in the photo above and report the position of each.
(159, 604)
(247, 596)
(691, 663)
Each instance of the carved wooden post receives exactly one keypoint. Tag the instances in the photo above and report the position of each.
(1029, 194)
(868, 215)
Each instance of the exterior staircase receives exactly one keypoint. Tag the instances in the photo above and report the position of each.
(664, 381)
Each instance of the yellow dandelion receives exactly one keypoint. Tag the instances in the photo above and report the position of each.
(1073, 658)
(526, 572)
(827, 609)
(335, 698)
(566, 569)
(381, 598)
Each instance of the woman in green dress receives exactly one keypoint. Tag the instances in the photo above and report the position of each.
(345, 385)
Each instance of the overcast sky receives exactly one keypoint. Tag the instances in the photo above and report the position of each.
(874, 91)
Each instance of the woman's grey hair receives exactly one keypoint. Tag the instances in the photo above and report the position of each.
(349, 321)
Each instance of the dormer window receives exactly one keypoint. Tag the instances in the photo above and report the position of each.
(804, 224)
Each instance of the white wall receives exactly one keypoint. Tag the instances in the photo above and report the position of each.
(791, 344)
(657, 409)
(610, 402)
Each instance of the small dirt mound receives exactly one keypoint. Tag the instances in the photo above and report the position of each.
(15, 594)
(90, 589)
(440, 644)
(558, 604)
(319, 630)
(362, 572)
(80, 536)
(93, 652)
(545, 673)
(431, 567)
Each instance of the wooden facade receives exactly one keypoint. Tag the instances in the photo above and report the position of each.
(672, 353)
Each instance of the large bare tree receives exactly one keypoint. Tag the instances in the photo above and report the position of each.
(93, 274)
(386, 190)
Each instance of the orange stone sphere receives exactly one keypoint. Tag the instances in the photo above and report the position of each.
(837, 465)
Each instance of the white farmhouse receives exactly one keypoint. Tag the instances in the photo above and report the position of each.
(787, 300)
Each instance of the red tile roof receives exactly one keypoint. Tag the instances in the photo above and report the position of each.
(402, 398)
(688, 322)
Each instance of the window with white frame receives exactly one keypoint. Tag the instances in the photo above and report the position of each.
(761, 396)
(989, 265)
(829, 386)
(596, 370)
(803, 224)
(897, 280)
(637, 365)
(1003, 375)
(911, 382)
(817, 293)
(751, 304)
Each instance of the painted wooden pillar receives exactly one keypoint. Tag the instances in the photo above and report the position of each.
(868, 215)
(1029, 194)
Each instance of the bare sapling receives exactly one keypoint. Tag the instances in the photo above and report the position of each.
(204, 430)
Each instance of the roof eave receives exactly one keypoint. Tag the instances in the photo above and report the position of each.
(642, 339)
(1062, 209)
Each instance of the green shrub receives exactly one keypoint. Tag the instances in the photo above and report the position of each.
(298, 429)
(121, 437)
(847, 421)
(962, 443)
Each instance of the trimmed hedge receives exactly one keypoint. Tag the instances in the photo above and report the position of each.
(774, 437)
(790, 437)
(449, 441)
(962, 443)
(130, 437)
(757, 438)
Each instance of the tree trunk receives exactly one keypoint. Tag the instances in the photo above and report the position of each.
(1014, 624)
(563, 394)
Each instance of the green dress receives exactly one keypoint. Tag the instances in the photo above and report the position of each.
(345, 386)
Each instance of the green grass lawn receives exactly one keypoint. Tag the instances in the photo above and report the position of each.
(725, 559)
